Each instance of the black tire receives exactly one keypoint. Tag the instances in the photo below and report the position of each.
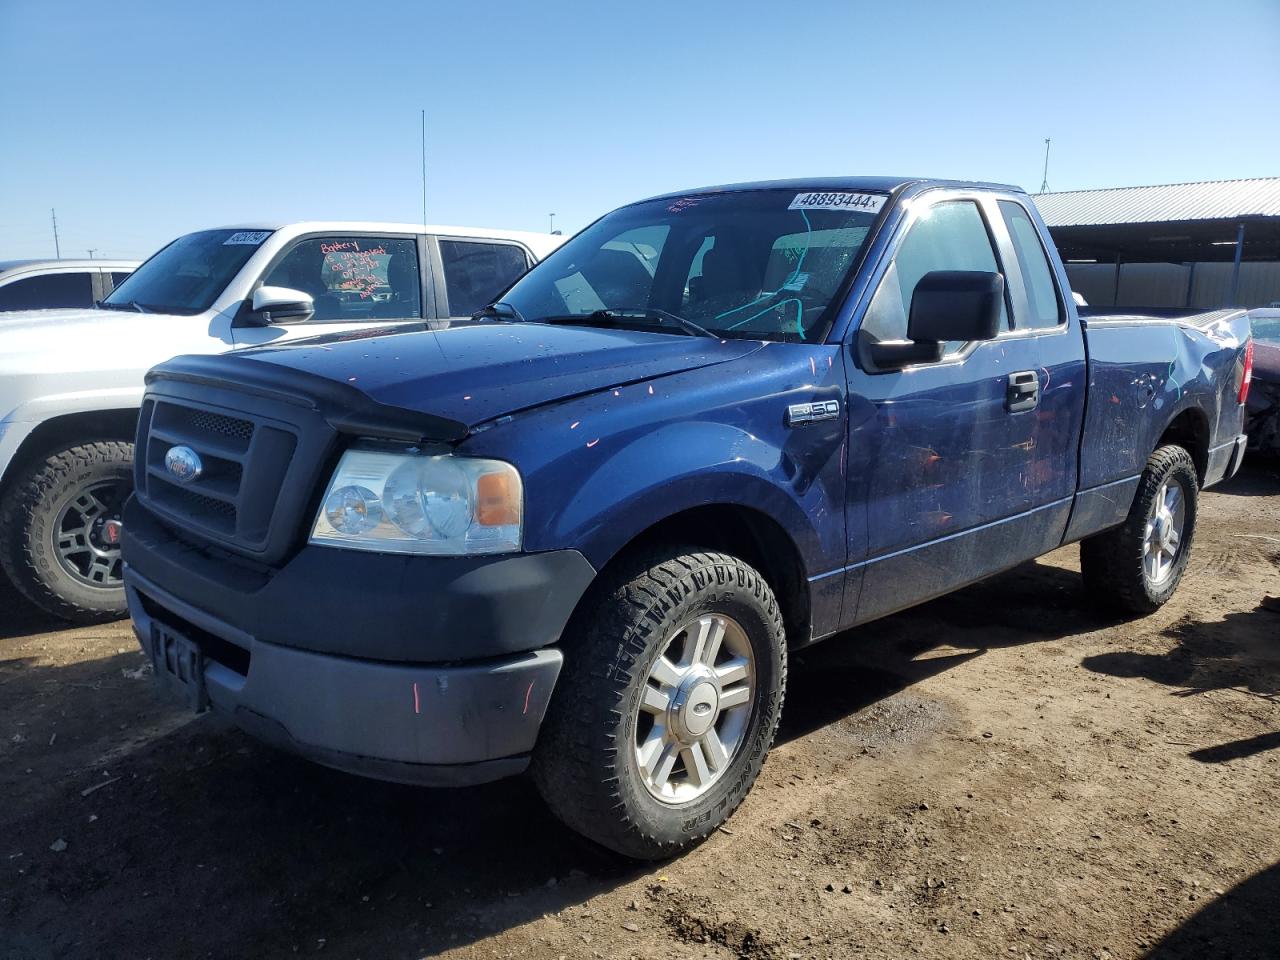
(1112, 563)
(585, 764)
(28, 536)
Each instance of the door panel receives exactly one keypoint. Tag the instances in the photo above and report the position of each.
(950, 476)
(960, 468)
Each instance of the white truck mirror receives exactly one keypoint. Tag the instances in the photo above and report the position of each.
(282, 304)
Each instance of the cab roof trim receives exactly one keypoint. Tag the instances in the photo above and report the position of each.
(387, 227)
(867, 184)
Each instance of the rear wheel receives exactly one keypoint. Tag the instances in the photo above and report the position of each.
(668, 702)
(1136, 567)
(60, 531)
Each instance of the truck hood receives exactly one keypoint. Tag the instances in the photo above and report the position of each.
(75, 330)
(470, 374)
(63, 361)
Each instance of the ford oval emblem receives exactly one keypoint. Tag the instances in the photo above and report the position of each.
(183, 464)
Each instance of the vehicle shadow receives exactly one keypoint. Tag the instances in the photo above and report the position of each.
(1033, 603)
(1240, 652)
(1242, 924)
(1237, 749)
(214, 845)
(197, 838)
(21, 618)
(1259, 476)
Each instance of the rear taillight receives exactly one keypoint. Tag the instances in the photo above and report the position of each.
(1248, 372)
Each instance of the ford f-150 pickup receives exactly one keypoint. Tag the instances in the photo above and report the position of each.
(581, 533)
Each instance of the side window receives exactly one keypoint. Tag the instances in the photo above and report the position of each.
(948, 236)
(47, 292)
(118, 277)
(354, 278)
(475, 272)
(1045, 309)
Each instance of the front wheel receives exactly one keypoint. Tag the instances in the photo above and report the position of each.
(1135, 567)
(668, 703)
(60, 531)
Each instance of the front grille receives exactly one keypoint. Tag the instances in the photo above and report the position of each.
(204, 422)
(207, 511)
(244, 461)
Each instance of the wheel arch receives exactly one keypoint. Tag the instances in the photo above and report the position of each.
(1189, 429)
(68, 430)
(742, 531)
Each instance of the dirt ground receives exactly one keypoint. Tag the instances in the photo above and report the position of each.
(1000, 773)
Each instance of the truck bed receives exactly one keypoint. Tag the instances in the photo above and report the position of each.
(1201, 319)
(1152, 371)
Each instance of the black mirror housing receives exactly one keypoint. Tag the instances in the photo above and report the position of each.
(956, 305)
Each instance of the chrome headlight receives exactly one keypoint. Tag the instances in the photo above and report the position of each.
(418, 503)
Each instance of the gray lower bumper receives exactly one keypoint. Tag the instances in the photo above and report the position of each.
(411, 723)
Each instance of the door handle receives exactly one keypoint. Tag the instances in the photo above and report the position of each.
(1023, 391)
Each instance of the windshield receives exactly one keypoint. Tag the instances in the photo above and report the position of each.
(764, 264)
(1266, 327)
(186, 276)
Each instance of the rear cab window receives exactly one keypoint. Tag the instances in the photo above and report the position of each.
(1044, 306)
(353, 277)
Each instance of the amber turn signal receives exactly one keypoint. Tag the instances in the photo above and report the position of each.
(497, 500)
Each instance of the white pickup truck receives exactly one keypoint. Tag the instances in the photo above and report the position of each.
(71, 381)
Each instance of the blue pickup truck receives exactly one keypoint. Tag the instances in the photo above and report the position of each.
(579, 533)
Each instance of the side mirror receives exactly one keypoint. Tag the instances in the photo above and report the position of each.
(956, 305)
(946, 305)
(282, 304)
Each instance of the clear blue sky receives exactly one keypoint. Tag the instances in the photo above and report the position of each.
(139, 121)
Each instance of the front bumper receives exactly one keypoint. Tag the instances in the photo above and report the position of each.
(438, 676)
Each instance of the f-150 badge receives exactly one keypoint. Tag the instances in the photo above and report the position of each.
(800, 413)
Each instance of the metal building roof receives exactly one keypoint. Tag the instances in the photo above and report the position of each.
(1173, 202)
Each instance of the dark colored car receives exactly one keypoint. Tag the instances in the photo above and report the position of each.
(582, 533)
(1264, 396)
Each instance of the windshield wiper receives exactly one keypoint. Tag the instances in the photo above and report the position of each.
(638, 313)
(499, 311)
(126, 305)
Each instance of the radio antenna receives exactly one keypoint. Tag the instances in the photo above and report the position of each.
(424, 166)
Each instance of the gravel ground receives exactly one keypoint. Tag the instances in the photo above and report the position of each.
(1000, 773)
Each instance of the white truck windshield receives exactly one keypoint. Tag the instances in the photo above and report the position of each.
(186, 276)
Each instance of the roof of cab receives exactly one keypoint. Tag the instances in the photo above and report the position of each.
(66, 263)
(540, 243)
(870, 184)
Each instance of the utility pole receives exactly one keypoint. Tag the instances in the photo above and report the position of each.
(1044, 184)
(424, 165)
(57, 250)
(91, 251)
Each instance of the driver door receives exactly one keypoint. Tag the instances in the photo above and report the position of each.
(356, 281)
(954, 465)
